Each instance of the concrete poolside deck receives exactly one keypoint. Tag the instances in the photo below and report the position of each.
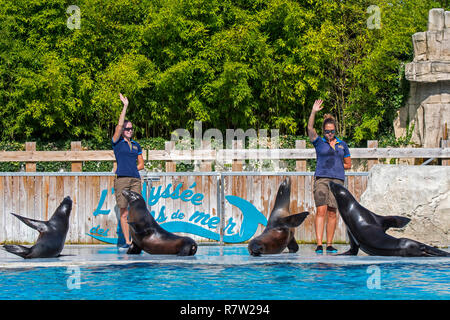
(95, 255)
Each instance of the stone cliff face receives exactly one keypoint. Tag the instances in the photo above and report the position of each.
(428, 106)
(421, 193)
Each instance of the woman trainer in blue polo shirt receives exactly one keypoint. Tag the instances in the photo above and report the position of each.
(333, 157)
(127, 153)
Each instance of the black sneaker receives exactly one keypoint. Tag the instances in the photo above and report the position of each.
(331, 249)
(319, 249)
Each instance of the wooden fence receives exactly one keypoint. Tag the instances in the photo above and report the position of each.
(94, 213)
(36, 195)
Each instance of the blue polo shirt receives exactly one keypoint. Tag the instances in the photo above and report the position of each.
(126, 157)
(330, 162)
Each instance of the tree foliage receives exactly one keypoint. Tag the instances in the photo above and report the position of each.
(231, 64)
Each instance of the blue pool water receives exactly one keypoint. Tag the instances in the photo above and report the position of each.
(223, 273)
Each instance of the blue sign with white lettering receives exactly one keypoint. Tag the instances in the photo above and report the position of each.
(199, 223)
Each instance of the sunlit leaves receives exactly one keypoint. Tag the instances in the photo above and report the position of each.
(230, 64)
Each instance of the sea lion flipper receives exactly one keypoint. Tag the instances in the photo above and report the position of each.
(134, 249)
(292, 246)
(294, 220)
(429, 251)
(17, 249)
(393, 222)
(41, 226)
(354, 247)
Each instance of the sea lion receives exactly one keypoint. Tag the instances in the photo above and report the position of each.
(52, 234)
(367, 230)
(148, 235)
(279, 232)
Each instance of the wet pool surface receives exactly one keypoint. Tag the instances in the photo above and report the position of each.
(218, 273)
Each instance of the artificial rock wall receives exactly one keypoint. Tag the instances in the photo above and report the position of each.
(428, 106)
(420, 193)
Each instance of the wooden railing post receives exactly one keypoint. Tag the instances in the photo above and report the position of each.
(445, 144)
(171, 166)
(300, 165)
(372, 162)
(206, 166)
(77, 166)
(30, 166)
(237, 165)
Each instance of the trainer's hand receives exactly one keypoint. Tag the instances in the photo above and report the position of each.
(317, 106)
(123, 99)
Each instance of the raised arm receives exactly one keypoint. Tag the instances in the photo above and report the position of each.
(119, 126)
(312, 134)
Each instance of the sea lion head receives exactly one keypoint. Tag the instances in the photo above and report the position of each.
(132, 196)
(256, 247)
(337, 189)
(282, 200)
(344, 199)
(65, 206)
(285, 187)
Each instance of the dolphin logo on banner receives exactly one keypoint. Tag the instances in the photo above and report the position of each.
(252, 217)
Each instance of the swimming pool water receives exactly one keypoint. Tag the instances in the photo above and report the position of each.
(230, 273)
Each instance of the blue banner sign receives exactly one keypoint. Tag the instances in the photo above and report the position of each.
(199, 223)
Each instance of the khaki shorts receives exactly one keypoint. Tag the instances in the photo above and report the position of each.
(125, 183)
(322, 194)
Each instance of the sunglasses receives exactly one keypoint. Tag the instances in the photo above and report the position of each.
(329, 131)
(127, 129)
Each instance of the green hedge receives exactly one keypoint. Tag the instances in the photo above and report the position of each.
(231, 64)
